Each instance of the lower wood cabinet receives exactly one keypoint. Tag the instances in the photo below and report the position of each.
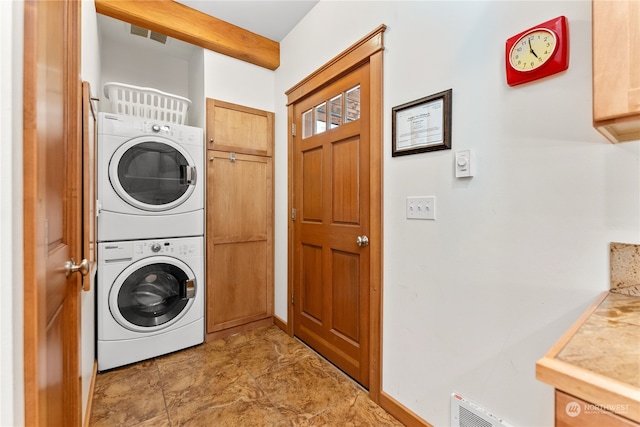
(574, 412)
(239, 220)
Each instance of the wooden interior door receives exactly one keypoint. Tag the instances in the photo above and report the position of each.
(52, 212)
(331, 185)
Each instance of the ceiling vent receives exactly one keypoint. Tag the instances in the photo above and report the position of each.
(161, 38)
(139, 31)
(143, 32)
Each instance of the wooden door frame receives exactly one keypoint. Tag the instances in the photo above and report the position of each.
(368, 49)
(34, 268)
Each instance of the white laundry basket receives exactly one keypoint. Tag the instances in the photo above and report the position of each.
(146, 102)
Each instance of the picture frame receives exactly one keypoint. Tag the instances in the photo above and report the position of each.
(422, 125)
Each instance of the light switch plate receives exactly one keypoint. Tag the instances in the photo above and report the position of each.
(423, 207)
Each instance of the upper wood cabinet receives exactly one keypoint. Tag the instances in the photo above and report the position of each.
(234, 128)
(616, 69)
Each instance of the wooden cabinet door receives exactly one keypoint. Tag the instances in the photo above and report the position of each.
(235, 128)
(616, 69)
(239, 239)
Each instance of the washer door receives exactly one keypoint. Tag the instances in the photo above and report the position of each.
(152, 173)
(152, 294)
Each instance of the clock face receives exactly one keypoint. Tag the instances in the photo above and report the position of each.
(538, 52)
(533, 50)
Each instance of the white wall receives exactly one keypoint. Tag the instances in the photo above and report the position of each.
(196, 114)
(11, 261)
(231, 80)
(90, 72)
(129, 64)
(125, 64)
(517, 252)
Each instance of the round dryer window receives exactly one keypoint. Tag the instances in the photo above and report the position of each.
(151, 295)
(152, 175)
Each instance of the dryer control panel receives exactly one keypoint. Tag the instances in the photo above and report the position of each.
(130, 127)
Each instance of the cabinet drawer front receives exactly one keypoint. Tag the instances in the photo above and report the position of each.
(574, 412)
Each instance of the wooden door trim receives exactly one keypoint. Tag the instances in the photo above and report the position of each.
(34, 268)
(353, 56)
(33, 272)
(366, 49)
(73, 118)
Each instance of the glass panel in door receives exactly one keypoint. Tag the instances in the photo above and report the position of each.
(353, 104)
(321, 118)
(335, 112)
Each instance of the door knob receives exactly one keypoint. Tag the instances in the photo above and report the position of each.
(362, 241)
(71, 267)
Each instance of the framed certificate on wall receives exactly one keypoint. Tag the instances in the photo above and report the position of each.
(422, 125)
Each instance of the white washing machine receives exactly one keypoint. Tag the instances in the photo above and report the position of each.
(150, 179)
(150, 299)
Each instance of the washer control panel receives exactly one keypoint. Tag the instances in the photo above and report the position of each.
(128, 251)
(164, 247)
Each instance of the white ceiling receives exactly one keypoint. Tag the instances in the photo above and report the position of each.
(268, 18)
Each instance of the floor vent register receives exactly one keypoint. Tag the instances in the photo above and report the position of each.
(465, 413)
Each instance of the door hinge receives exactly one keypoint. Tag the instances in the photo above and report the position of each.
(293, 129)
(292, 299)
(293, 214)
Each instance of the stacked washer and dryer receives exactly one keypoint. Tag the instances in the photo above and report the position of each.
(150, 287)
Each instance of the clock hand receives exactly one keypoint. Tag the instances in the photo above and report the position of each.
(531, 49)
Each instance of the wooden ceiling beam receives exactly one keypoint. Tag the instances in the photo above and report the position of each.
(189, 25)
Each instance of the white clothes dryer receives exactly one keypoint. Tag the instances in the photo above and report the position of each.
(150, 299)
(150, 179)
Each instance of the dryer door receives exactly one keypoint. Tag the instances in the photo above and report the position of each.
(152, 173)
(152, 294)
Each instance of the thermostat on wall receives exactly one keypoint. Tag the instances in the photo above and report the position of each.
(464, 164)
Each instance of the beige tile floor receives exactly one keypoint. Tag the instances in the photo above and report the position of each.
(261, 378)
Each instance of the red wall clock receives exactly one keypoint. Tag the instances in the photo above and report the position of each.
(538, 52)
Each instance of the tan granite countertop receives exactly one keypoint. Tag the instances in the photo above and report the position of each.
(598, 360)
